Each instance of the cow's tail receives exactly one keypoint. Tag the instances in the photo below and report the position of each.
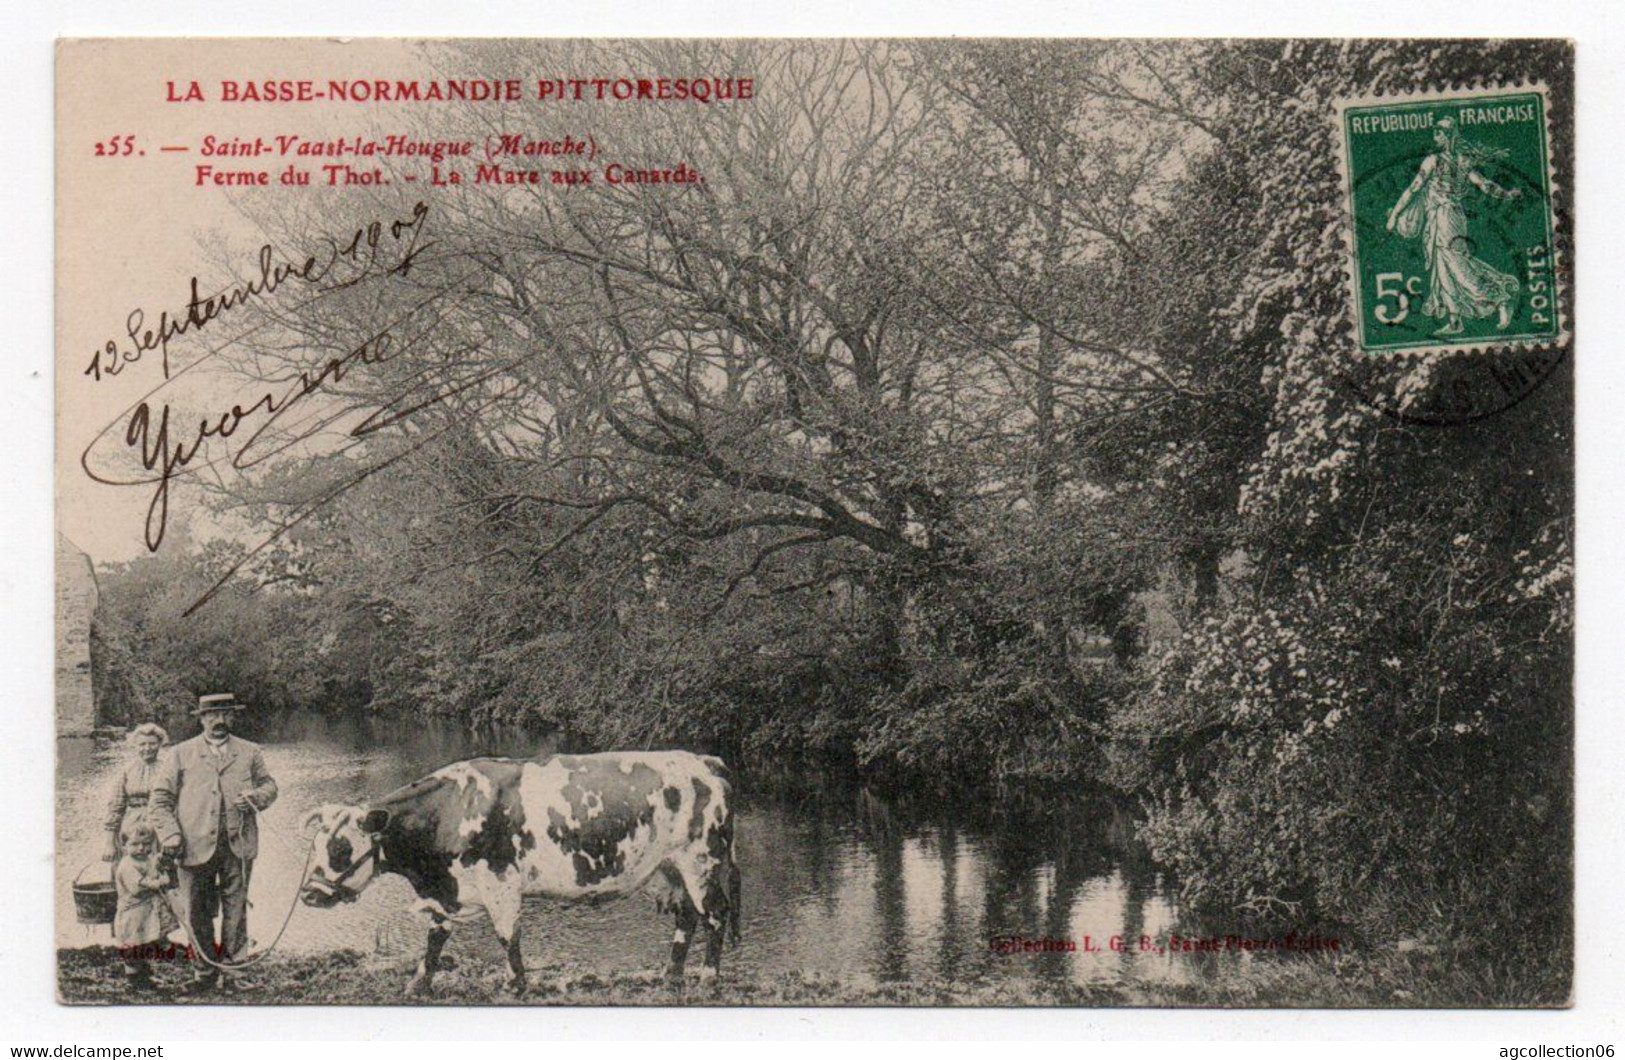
(733, 900)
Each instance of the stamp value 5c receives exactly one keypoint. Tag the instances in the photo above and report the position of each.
(1450, 221)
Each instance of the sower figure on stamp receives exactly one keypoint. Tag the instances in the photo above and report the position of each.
(204, 805)
(1459, 283)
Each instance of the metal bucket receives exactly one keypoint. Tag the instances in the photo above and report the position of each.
(94, 901)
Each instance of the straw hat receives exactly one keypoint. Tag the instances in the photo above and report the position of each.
(218, 701)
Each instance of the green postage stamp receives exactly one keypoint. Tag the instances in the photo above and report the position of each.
(1450, 221)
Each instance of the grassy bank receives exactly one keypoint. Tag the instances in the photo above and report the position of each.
(349, 978)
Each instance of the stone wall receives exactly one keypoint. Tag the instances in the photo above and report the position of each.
(75, 607)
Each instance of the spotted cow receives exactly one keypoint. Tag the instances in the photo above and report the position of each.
(478, 835)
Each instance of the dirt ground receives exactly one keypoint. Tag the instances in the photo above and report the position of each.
(345, 977)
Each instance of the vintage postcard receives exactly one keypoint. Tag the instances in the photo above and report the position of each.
(815, 522)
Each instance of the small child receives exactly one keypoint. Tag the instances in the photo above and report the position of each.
(140, 923)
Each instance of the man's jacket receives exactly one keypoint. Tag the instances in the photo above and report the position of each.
(194, 796)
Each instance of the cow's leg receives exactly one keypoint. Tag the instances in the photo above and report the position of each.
(688, 921)
(516, 963)
(716, 923)
(423, 981)
(706, 897)
(500, 894)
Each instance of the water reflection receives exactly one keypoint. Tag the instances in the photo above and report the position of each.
(839, 880)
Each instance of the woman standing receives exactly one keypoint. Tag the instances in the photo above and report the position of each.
(1459, 284)
(127, 802)
(127, 807)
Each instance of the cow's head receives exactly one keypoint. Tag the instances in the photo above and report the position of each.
(344, 855)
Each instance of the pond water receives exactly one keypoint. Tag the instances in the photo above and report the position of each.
(839, 880)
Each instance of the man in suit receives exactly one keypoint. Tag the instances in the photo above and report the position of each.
(204, 805)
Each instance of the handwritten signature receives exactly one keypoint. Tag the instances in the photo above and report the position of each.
(166, 449)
